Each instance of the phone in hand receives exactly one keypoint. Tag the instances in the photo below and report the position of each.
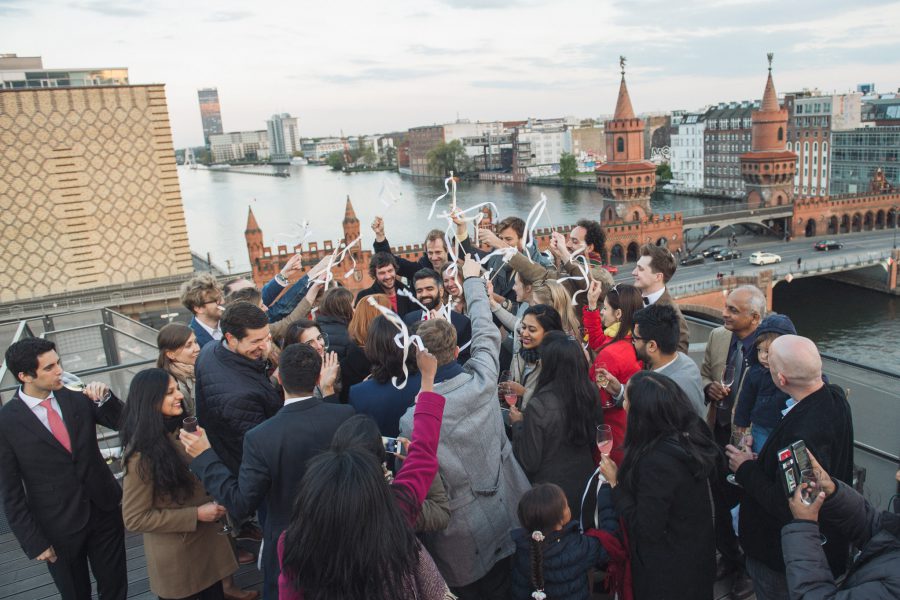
(792, 461)
(392, 445)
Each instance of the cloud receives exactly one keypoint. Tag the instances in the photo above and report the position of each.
(225, 16)
(384, 74)
(112, 8)
(489, 4)
(11, 8)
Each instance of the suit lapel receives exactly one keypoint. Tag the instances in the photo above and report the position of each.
(30, 421)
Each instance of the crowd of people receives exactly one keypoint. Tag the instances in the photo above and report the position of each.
(509, 424)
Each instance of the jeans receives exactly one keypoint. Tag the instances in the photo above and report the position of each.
(767, 584)
(760, 435)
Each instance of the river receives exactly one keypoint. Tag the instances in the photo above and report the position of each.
(856, 324)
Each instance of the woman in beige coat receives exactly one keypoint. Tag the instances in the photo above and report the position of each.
(186, 558)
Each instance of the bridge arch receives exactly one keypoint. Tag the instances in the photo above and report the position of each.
(633, 252)
(811, 228)
(856, 225)
(879, 220)
(845, 224)
(616, 255)
(892, 218)
(833, 226)
(869, 221)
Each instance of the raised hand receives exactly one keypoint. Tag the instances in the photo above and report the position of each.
(471, 267)
(322, 265)
(594, 292)
(194, 444)
(490, 238)
(427, 364)
(292, 267)
(378, 228)
(328, 374)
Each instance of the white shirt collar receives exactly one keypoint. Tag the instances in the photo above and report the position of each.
(652, 298)
(789, 404)
(31, 401)
(293, 400)
(216, 332)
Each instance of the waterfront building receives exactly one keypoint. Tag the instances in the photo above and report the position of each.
(239, 146)
(21, 72)
(548, 139)
(857, 154)
(88, 190)
(768, 168)
(421, 140)
(589, 143)
(880, 112)
(812, 117)
(210, 113)
(686, 151)
(725, 138)
(318, 149)
(284, 138)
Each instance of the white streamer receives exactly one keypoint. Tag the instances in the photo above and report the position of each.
(531, 223)
(411, 296)
(402, 339)
(439, 198)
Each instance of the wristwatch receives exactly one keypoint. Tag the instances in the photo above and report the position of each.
(282, 280)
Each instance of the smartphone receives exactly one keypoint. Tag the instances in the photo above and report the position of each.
(801, 455)
(792, 461)
(392, 445)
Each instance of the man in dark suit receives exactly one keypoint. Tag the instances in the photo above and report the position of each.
(383, 269)
(60, 497)
(275, 454)
(203, 297)
(653, 270)
(430, 293)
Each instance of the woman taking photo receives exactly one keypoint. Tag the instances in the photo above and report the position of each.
(178, 351)
(525, 369)
(662, 491)
(616, 356)
(554, 439)
(186, 558)
(351, 533)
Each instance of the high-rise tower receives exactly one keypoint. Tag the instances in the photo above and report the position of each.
(210, 113)
(626, 180)
(768, 169)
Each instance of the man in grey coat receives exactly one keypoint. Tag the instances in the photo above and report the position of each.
(874, 574)
(483, 479)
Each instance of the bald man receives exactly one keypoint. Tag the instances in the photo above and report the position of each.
(818, 414)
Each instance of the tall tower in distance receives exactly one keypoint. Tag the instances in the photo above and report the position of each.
(625, 180)
(350, 223)
(254, 237)
(768, 169)
(210, 112)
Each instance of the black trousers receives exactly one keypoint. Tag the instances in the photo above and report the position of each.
(725, 497)
(102, 544)
(493, 586)
(213, 592)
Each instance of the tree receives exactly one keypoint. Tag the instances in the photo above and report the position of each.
(568, 167)
(335, 160)
(664, 172)
(369, 156)
(445, 157)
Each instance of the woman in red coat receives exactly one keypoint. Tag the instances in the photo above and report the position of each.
(612, 324)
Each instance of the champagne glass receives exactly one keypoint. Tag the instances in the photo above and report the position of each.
(739, 440)
(74, 383)
(727, 381)
(226, 528)
(505, 394)
(604, 439)
(602, 381)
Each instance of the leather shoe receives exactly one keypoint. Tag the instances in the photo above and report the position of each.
(245, 558)
(239, 594)
(249, 532)
(741, 586)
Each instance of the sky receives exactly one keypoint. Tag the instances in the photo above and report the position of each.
(377, 66)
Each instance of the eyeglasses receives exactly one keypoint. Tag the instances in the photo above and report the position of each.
(635, 338)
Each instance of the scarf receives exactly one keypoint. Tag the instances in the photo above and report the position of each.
(181, 371)
(173, 423)
(612, 330)
(618, 570)
(530, 355)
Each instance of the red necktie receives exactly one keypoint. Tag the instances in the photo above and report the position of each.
(57, 427)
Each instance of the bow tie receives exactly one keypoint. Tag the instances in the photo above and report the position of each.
(646, 300)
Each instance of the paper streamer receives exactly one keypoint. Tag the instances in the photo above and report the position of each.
(402, 339)
(439, 198)
(531, 223)
(386, 186)
(411, 296)
(585, 268)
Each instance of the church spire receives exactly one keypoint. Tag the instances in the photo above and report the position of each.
(623, 104)
(252, 225)
(770, 98)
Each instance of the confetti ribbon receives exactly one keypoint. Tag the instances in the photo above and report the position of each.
(402, 339)
(531, 223)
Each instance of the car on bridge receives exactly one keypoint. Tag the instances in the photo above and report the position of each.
(727, 254)
(613, 270)
(764, 258)
(826, 245)
(692, 259)
(712, 251)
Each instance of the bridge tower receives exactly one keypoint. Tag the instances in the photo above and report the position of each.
(768, 169)
(626, 180)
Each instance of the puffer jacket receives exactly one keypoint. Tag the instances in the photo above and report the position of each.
(760, 401)
(233, 395)
(338, 337)
(874, 575)
(567, 557)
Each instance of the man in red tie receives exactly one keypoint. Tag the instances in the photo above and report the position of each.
(59, 495)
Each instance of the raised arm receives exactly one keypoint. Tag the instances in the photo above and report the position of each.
(485, 349)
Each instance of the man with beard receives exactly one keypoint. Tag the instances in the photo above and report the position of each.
(383, 269)
(430, 293)
(655, 338)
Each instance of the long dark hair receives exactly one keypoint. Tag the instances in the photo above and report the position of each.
(659, 412)
(564, 369)
(329, 555)
(144, 432)
(383, 353)
(541, 509)
(546, 315)
(626, 298)
(359, 431)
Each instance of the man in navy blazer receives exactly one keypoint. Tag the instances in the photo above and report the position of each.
(430, 293)
(275, 454)
(59, 495)
(203, 297)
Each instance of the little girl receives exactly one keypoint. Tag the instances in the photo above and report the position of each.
(553, 558)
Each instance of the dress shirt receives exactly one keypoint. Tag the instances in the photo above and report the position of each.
(215, 333)
(39, 411)
(292, 400)
(652, 298)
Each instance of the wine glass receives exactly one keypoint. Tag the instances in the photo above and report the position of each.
(226, 528)
(503, 391)
(604, 439)
(727, 381)
(602, 381)
(739, 440)
(74, 383)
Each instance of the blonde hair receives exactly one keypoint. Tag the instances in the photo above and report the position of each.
(553, 293)
(363, 315)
